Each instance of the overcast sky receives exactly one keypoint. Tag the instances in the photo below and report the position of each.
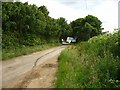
(105, 10)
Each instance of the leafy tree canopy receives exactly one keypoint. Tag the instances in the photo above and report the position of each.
(85, 28)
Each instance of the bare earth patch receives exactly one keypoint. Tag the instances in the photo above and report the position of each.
(42, 76)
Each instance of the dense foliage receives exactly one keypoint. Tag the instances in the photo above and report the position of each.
(91, 64)
(30, 25)
(85, 28)
(25, 26)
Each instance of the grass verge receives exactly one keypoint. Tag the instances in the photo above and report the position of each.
(24, 50)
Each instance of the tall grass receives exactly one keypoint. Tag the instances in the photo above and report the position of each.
(92, 64)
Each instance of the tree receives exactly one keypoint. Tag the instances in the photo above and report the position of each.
(65, 28)
(44, 10)
(95, 22)
(29, 25)
(22, 24)
(85, 28)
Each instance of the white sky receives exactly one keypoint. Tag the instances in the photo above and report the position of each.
(105, 10)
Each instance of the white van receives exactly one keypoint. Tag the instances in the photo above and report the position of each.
(70, 40)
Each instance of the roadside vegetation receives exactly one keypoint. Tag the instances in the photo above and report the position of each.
(91, 64)
(24, 50)
(28, 28)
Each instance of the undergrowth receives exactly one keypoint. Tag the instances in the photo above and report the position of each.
(91, 64)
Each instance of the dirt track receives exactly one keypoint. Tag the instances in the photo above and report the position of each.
(36, 70)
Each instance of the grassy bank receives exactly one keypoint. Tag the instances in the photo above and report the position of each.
(24, 50)
(92, 64)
